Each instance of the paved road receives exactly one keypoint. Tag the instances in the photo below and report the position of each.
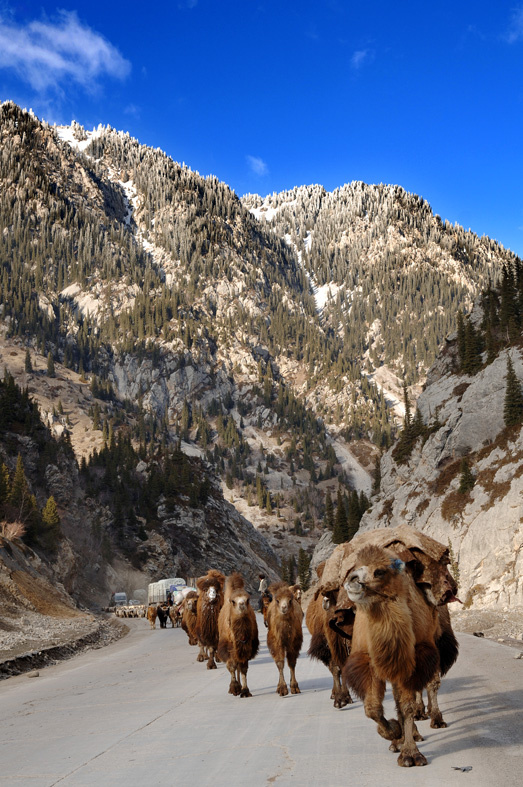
(143, 712)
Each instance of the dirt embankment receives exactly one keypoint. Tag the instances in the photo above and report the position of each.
(39, 622)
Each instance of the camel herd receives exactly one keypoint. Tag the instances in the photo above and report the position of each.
(378, 614)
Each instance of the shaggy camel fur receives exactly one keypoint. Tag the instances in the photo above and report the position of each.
(210, 602)
(238, 634)
(285, 636)
(447, 646)
(189, 616)
(297, 592)
(394, 640)
(266, 599)
(327, 644)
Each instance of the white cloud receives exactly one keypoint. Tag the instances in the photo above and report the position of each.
(47, 54)
(359, 57)
(515, 30)
(257, 165)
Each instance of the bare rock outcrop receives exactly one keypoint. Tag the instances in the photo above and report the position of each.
(484, 526)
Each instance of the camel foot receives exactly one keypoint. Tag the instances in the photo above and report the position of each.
(408, 759)
(394, 747)
(342, 700)
(235, 688)
(200, 658)
(282, 690)
(417, 734)
(212, 665)
(245, 693)
(392, 732)
(438, 722)
(295, 689)
(421, 715)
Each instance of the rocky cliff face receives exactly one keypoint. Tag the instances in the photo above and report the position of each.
(484, 526)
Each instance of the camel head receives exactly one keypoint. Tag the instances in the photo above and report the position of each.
(211, 586)
(191, 600)
(283, 597)
(376, 575)
(239, 602)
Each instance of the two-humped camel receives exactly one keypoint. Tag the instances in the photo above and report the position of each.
(394, 639)
(284, 635)
(330, 645)
(210, 601)
(190, 605)
(238, 634)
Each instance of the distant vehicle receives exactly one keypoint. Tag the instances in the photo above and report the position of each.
(120, 599)
(134, 602)
(157, 592)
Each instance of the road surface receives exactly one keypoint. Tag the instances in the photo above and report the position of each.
(143, 712)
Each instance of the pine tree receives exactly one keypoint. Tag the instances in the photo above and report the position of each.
(513, 407)
(50, 365)
(28, 366)
(329, 512)
(304, 571)
(467, 480)
(340, 531)
(51, 531)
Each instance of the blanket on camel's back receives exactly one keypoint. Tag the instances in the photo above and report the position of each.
(426, 559)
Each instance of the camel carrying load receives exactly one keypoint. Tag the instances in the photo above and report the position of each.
(426, 559)
(398, 582)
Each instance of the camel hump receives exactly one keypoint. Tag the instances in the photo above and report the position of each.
(277, 587)
(234, 582)
(212, 577)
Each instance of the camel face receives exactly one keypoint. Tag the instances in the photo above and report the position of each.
(356, 584)
(240, 604)
(326, 603)
(366, 585)
(283, 605)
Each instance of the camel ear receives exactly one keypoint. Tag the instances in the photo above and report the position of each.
(397, 565)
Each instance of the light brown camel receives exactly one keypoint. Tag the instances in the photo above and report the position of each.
(266, 599)
(189, 616)
(151, 615)
(330, 645)
(297, 591)
(394, 640)
(210, 601)
(238, 634)
(285, 635)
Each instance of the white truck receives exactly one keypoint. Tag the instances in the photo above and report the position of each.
(157, 592)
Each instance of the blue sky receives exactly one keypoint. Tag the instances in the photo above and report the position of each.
(268, 95)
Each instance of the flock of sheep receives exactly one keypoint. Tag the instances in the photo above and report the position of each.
(378, 614)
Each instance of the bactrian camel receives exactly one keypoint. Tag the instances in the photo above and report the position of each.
(238, 634)
(210, 601)
(284, 635)
(395, 633)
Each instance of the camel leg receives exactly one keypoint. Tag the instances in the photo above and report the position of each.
(201, 655)
(295, 689)
(242, 672)
(420, 712)
(345, 697)
(396, 745)
(336, 683)
(409, 754)
(340, 690)
(234, 686)
(436, 717)
(211, 664)
(281, 688)
(389, 729)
